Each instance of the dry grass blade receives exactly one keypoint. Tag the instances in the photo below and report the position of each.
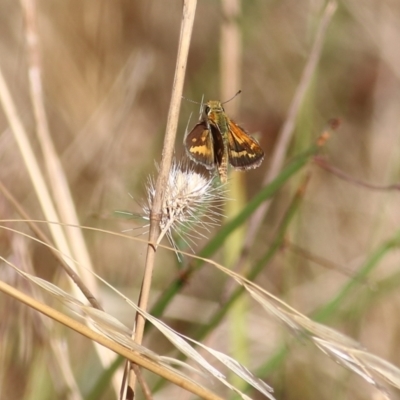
(62, 375)
(387, 371)
(33, 169)
(341, 348)
(43, 239)
(180, 342)
(238, 369)
(58, 181)
(112, 329)
(103, 322)
(43, 193)
(112, 333)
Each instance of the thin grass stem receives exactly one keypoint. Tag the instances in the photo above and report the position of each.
(286, 132)
(188, 15)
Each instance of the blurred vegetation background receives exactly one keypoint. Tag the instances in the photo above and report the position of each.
(107, 70)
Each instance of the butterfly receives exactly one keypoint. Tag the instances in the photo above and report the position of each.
(217, 140)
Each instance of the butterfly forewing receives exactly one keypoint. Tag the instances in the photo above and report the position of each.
(244, 151)
(199, 145)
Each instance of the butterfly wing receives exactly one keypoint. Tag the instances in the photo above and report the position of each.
(199, 145)
(218, 144)
(244, 151)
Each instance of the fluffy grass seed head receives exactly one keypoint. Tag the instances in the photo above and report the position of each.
(191, 201)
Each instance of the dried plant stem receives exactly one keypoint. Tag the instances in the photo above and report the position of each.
(321, 162)
(73, 238)
(34, 170)
(55, 172)
(230, 71)
(41, 235)
(142, 382)
(286, 132)
(168, 149)
(230, 54)
(189, 9)
(231, 78)
(110, 344)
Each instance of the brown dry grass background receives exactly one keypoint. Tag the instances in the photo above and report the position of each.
(107, 73)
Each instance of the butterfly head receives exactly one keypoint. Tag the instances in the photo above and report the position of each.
(212, 108)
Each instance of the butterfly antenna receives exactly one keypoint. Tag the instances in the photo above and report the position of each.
(227, 101)
(187, 126)
(190, 100)
(196, 102)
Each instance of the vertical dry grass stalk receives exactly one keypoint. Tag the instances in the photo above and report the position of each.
(230, 76)
(35, 173)
(58, 181)
(33, 169)
(287, 129)
(230, 53)
(70, 241)
(231, 81)
(188, 15)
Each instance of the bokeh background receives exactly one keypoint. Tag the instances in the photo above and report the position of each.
(107, 70)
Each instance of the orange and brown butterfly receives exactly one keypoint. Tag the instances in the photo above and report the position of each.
(216, 139)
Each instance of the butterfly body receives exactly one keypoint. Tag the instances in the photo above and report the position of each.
(217, 140)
